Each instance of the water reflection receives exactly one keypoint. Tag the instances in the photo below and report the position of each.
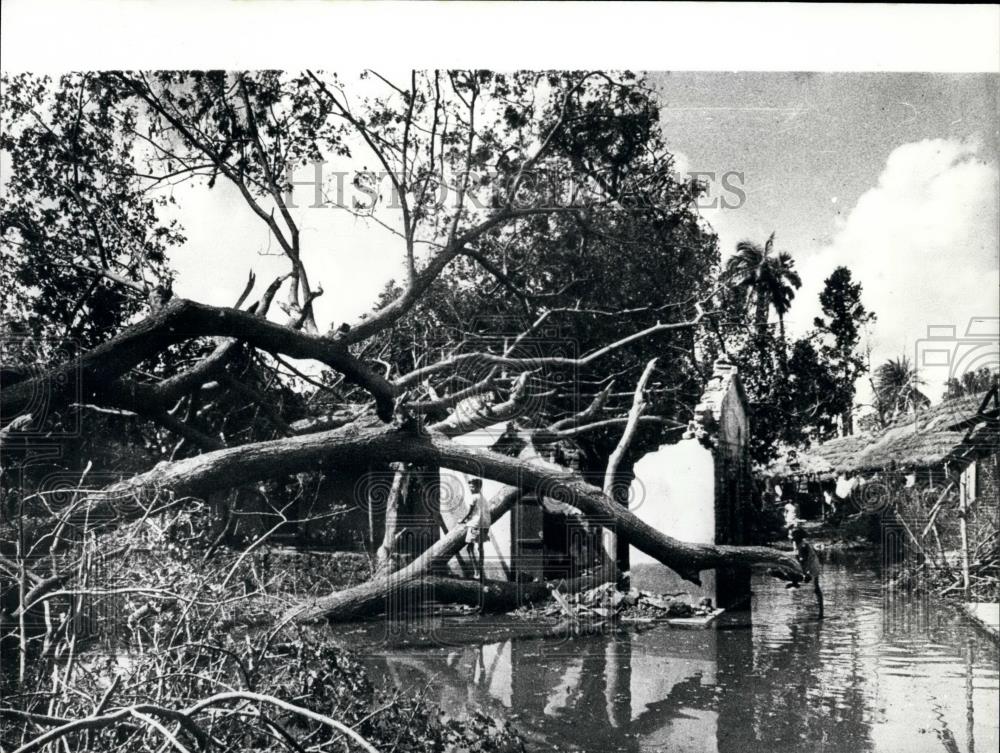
(881, 674)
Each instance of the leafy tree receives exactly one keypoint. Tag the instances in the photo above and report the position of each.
(84, 246)
(785, 409)
(971, 383)
(805, 400)
(839, 331)
(663, 260)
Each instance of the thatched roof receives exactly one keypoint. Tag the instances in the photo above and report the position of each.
(954, 431)
(803, 463)
(906, 448)
(948, 414)
(840, 454)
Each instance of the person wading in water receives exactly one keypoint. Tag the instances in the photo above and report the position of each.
(477, 523)
(810, 565)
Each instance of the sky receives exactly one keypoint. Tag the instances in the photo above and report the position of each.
(892, 175)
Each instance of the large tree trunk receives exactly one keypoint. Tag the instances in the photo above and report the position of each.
(370, 597)
(352, 448)
(498, 595)
(782, 352)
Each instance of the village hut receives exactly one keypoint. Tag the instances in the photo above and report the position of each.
(933, 474)
(931, 442)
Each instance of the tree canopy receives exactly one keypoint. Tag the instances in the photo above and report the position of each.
(548, 251)
(514, 193)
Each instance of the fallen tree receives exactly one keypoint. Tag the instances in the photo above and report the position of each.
(397, 389)
(514, 306)
(685, 558)
(345, 448)
(406, 595)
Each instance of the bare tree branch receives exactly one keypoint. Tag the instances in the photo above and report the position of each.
(182, 320)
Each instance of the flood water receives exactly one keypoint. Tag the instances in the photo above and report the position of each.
(880, 673)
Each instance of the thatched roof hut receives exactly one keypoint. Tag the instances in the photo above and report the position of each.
(955, 431)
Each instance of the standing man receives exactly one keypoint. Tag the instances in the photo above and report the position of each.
(791, 512)
(810, 564)
(477, 523)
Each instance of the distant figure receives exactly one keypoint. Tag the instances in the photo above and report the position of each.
(806, 555)
(830, 499)
(791, 517)
(829, 504)
(477, 523)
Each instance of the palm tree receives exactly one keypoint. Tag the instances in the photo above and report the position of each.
(896, 387)
(769, 279)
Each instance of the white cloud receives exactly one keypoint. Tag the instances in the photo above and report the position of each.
(923, 243)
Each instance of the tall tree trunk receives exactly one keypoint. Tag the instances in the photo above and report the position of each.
(760, 313)
(782, 352)
(847, 422)
(397, 493)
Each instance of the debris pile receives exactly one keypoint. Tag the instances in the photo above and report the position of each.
(606, 601)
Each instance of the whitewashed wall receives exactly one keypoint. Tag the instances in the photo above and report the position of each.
(674, 491)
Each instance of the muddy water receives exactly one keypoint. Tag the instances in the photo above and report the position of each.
(880, 673)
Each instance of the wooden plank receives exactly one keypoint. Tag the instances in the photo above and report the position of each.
(695, 623)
